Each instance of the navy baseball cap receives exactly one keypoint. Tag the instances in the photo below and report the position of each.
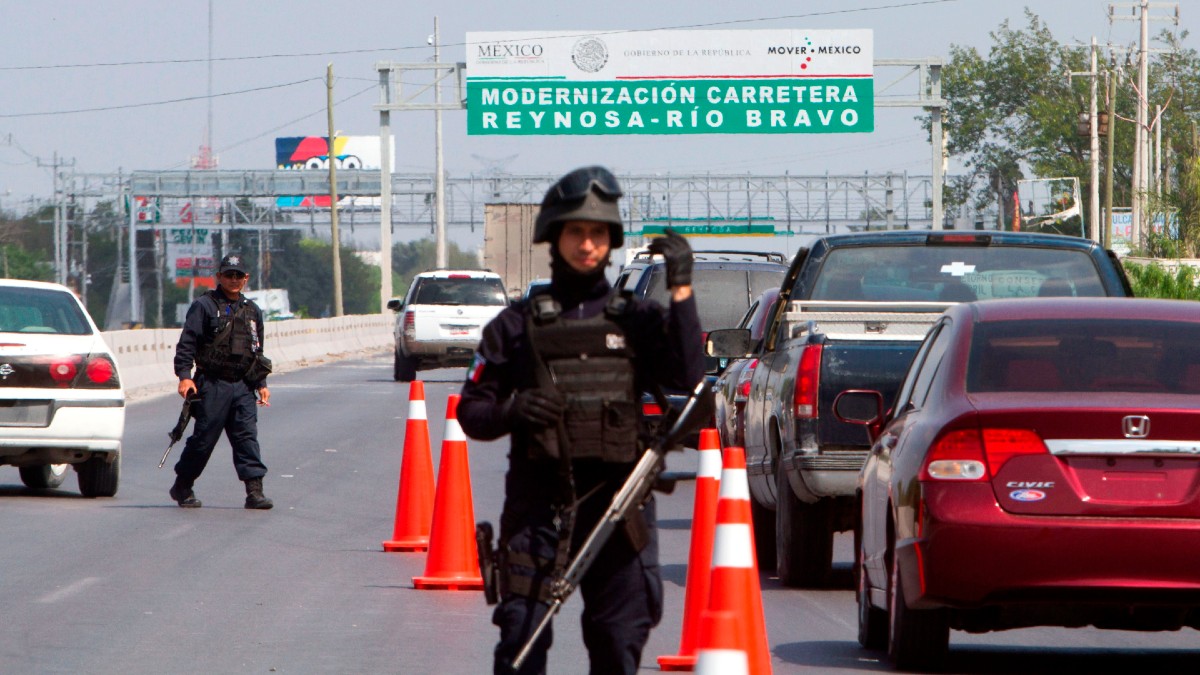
(232, 263)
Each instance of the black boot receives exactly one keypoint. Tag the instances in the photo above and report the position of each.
(182, 493)
(254, 495)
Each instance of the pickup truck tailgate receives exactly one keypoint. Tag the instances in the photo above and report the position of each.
(858, 364)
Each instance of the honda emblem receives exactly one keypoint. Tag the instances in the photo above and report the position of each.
(1136, 426)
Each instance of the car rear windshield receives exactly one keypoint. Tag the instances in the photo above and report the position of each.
(459, 291)
(1085, 355)
(722, 294)
(39, 310)
(955, 273)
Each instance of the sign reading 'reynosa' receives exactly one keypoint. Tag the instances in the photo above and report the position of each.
(670, 82)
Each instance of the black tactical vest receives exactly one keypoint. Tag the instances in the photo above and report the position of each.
(590, 363)
(229, 355)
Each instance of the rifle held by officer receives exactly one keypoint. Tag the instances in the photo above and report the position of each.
(177, 433)
(697, 409)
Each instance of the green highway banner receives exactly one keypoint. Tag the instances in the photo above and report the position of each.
(670, 82)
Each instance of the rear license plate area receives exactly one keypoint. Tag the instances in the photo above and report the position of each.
(24, 413)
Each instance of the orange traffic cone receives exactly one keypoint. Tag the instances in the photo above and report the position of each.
(699, 572)
(453, 561)
(719, 652)
(735, 585)
(414, 500)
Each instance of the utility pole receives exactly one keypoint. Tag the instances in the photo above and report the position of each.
(439, 171)
(1093, 219)
(1141, 144)
(61, 254)
(1106, 236)
(333, 196)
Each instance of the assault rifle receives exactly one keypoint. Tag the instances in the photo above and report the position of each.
(177, 433)
(678, 424)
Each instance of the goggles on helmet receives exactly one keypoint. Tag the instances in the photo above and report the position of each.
(577, 184)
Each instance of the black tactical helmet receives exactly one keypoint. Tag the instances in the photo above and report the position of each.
(590, 193)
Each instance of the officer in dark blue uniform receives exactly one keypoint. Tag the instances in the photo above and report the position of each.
(562, 372)
(222, 334)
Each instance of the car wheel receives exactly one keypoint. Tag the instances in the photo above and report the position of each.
(803, 538)
(918, 639)
(99, 477)
(44, 475)
(872, 621)
(763, 520)
(405, 368)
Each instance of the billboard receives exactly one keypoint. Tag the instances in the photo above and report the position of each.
(670, 82)
(312, 153)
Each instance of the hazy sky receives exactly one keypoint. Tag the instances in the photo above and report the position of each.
(56, 56)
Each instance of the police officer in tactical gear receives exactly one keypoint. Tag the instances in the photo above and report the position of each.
(221, 336)
(563, 373)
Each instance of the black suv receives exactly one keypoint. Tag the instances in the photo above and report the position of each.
(725, 283)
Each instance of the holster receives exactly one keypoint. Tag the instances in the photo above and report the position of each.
(489, 563)
(637, 530)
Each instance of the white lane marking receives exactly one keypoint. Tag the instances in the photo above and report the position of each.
(68, 591)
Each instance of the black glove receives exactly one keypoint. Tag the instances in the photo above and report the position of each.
(678, 254)
(536, 408)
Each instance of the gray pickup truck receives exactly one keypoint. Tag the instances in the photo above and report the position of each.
(853, 309)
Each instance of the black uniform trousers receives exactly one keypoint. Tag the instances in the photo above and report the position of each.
(622, 600)
(223, 406)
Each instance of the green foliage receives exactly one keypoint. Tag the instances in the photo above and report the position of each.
(1014, 111)
(1154, 281)
(305, 268)
(420, 255)
(17, 263)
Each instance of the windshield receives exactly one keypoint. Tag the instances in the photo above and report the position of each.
(38, 310)
(1085, 355)
(459, 291)
(955, 273)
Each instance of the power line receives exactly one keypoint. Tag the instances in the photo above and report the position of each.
(157, 103)
(343, 52)
(320, 111)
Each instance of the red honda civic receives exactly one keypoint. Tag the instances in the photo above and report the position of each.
(1040, 467)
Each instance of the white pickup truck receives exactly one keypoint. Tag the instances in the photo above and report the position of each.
(439, 322)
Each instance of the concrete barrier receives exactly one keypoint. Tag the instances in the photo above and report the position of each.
(146, 357)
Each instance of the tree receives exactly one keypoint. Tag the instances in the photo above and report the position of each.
(1011, 111)
(417, 256)
(305, 268)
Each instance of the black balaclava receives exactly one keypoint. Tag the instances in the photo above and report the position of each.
(571, 287)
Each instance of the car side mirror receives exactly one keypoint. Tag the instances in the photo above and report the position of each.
(395, 304)
(729, 343)
(863, 407)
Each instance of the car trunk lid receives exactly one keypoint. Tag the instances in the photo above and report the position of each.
(1121, 461)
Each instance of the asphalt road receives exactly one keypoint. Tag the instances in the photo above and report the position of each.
(134, 584)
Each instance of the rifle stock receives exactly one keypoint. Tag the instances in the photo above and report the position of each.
(631, 495)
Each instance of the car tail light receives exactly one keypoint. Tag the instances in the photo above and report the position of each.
(1001, 445)
(410, 325)
(651, 409)
(460, 276)
(99, 370)
(956, 455)
(64, 368)
(807, 381)
(741, 392)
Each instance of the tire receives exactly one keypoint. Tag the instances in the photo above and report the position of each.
(763, 520)
(99, 477)
(44, 475)
(872, 621)
(918, 639)
(803, 538)
(404, 368)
